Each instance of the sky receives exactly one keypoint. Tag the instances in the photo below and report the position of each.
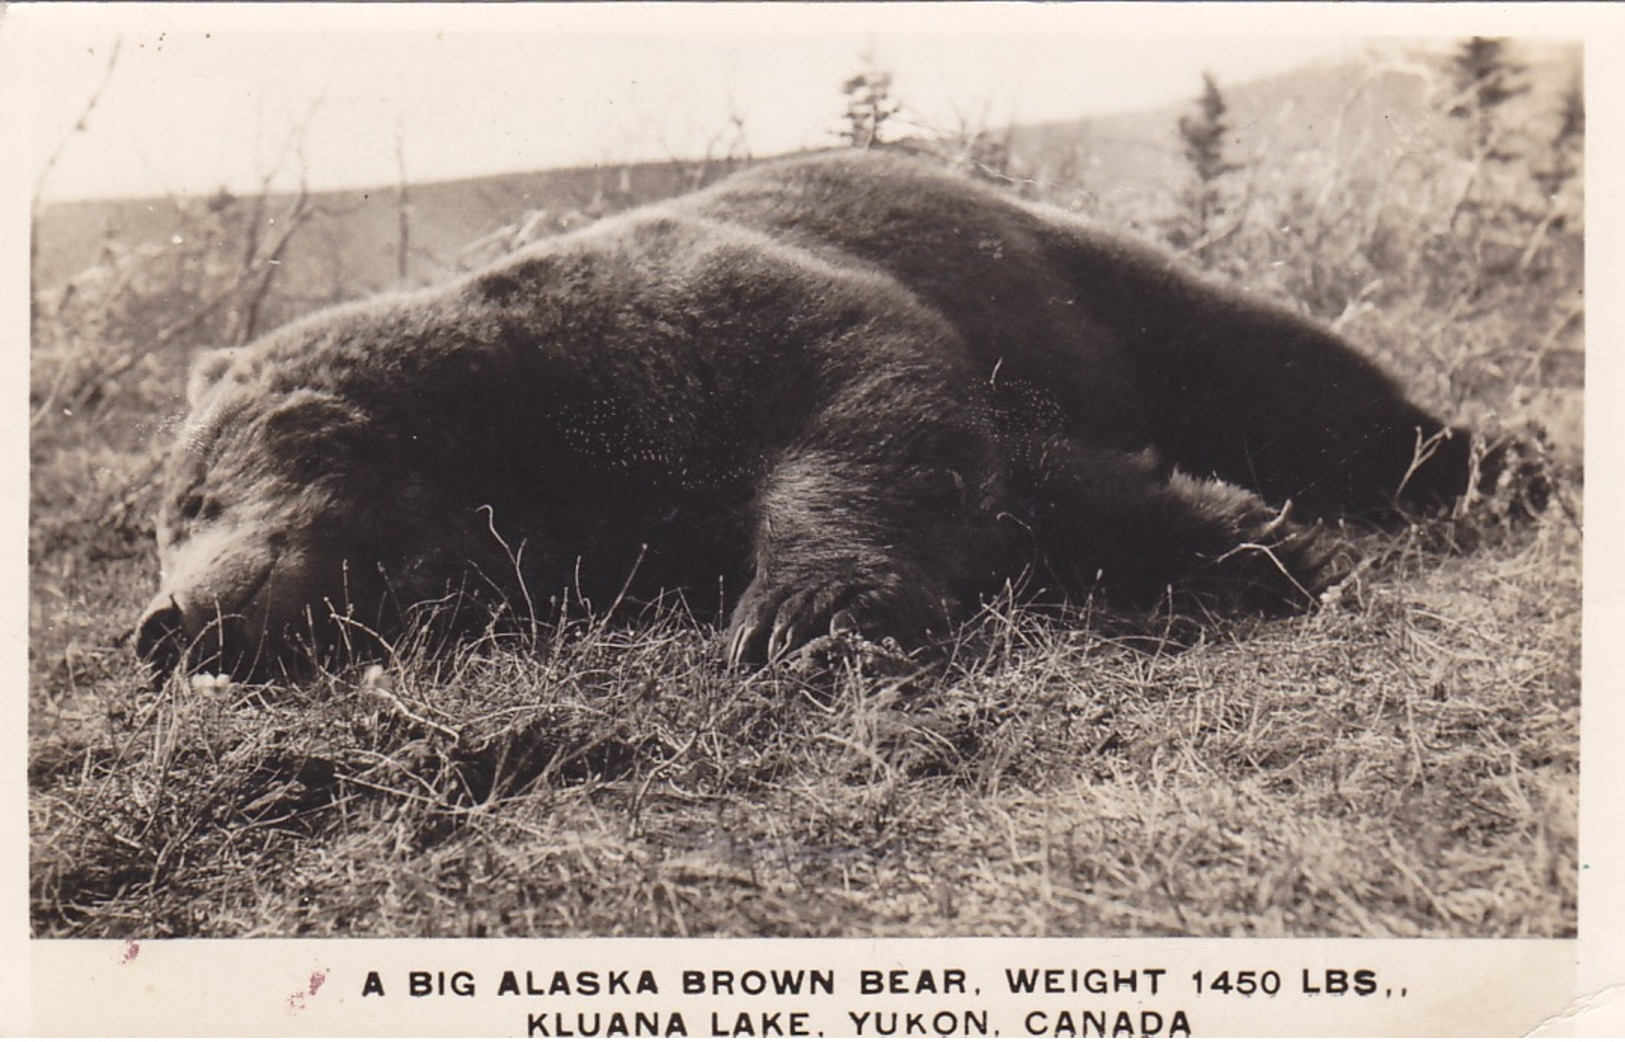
(207, 96)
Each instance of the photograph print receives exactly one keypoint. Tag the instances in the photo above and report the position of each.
(511, 476)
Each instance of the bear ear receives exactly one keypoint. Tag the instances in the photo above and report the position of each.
(307, 414)
(207, 369)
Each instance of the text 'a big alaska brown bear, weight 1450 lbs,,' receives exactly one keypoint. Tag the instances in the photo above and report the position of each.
(851, 391)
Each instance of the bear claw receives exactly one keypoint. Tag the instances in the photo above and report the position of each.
(767, 627)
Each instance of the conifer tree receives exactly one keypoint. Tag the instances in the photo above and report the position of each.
(1566, 145)
(869, 104)
(1204, 140)
(1485, 78)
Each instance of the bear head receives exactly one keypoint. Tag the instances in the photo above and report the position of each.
(290, 525)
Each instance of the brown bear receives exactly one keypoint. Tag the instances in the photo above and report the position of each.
(850, 391)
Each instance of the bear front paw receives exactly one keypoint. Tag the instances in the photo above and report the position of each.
(771, 621)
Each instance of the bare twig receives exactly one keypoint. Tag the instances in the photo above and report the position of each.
(80, 124)
(403, 209)
(36, 200)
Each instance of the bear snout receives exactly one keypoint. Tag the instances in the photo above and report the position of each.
(160, 636)
(170, 637)
(177, 633)
(255, 609)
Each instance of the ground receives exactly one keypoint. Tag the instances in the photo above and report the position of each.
(1400, 763)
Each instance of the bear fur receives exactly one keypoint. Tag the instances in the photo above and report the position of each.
(852, 391)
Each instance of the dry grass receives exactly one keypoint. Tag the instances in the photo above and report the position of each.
(1400, 763)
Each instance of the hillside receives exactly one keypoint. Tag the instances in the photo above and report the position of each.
(350, 246)
(1126, 163)
(1384, 103)
(1127, 166)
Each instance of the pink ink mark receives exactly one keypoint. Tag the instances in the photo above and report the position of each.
(296, 1001)
(131, 950)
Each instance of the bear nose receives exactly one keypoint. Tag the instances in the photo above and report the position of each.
(160, 637)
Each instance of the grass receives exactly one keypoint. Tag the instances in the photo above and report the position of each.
(1402, 761)
(1399, 763)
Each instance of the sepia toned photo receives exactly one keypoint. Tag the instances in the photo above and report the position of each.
(510, 474)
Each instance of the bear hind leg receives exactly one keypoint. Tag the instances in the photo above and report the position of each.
(1139, 531)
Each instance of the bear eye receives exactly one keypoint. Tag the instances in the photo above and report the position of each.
(197, 505)
(309, 467)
